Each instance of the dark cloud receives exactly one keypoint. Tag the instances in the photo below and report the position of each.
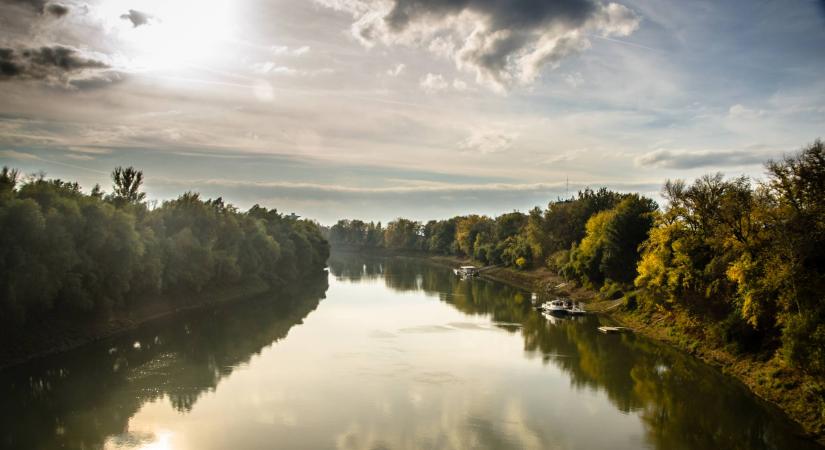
(504, 42)
(36, 5)
(41, 6)
(56, 64)
(57, 9)
(7, 66)
(685, 159)
(137, 18)
(511, 14)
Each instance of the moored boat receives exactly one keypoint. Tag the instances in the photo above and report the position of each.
(555, 307)
(466, 271)
(563, 307)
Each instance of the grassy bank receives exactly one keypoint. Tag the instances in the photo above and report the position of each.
(52, 335)
(800, 396)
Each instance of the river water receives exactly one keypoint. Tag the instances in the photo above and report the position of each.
(381, 354)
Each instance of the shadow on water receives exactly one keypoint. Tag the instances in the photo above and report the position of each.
(681, 402)
(79, 398)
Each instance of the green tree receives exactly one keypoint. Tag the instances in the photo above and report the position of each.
(126, 187)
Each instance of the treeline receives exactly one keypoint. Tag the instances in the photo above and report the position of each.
(63, 251)
(593, 237)
(746, 258)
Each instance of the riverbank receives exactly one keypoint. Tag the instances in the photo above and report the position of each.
(799, 396)
(59, 334)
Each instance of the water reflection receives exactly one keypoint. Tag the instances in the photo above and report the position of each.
(84, 398)
(682, 403)
(400, 354)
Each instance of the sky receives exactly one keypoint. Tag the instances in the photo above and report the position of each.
(417, 108)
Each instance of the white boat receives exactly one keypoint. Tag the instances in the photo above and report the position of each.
(556, 307)
(466, 271)
(564, 307)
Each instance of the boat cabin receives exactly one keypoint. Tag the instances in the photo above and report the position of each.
(467, 271)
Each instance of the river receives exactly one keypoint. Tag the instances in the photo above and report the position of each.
(384, 353)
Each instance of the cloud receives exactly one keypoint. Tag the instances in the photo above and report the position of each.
(433, 83)
(739, 111)
(270, 68)
(97, 80)
(413, 187)
(20, 156)
(56, 64)
(283, 50)
(32, 158)
(503, 43)
(41, 6)
(692, 159)
(574, 80)
(416, 199)
(57, 9)
(485, 142)
(137, 18)
(395, 71)
(80, 157)
(563, 157)
(89, 149)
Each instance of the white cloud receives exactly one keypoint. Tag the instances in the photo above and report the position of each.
(270, 68)
(485, 142)
(433, 82)
(565, 156)
(574, 79)
(283, 50)
(739, 111)
(396, 71)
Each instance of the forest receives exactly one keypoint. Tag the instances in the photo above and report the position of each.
(70, 253)
(745, 258)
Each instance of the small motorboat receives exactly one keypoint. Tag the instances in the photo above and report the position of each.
(556, 307)
(466, 271)
(561, 307)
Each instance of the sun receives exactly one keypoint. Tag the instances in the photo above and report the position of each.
(171, 34)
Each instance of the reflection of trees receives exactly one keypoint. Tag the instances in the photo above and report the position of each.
(351, 268)
(476, 297)
(683, 403)
(77, 399)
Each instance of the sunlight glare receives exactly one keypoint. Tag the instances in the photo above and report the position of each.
(178, 32)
